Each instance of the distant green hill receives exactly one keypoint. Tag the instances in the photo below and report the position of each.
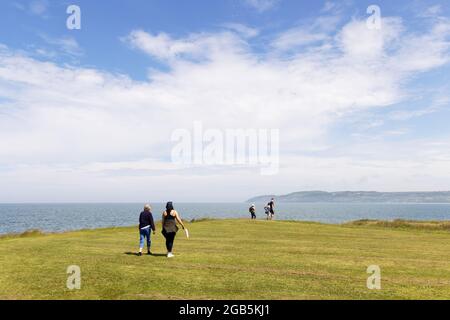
(359, 196)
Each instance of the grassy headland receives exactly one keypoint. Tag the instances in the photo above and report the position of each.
(234, 259)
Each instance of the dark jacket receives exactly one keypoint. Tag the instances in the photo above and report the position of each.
(146, 219)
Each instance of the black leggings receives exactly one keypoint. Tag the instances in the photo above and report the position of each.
(170, 238)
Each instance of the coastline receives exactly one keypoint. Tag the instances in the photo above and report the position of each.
(72, 217)
(431, 225)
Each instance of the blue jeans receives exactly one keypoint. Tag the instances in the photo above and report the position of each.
(144, 234)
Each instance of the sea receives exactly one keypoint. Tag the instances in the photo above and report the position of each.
(18, 218)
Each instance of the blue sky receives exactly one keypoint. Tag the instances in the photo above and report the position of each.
(105, 22)
(86, 115)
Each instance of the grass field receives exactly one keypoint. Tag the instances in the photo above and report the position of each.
(234, 259)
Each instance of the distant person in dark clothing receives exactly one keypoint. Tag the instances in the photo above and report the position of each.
(252, 211)
(170, 218)
(146, 223)
(271, 206)
(267, 212)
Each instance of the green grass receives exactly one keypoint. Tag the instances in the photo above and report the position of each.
(233, 259)
(406, 224)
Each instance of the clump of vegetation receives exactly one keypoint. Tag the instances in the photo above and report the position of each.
(26, 234)
(405, 224)
(201, 220)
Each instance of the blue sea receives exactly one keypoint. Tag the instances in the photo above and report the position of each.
(16, 218)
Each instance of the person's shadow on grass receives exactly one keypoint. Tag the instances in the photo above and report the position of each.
(137, 254)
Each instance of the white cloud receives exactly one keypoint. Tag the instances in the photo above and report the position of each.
(436, 105)
(38, 7)
(70, 126)
(313, 33)
(66, 45)
(195, 46)
(420, 53)
(360, 42)
(243, 30)
(328, 6)
(261, 5)
(297, 37)
(432, 11)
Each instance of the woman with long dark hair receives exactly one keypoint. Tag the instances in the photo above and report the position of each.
(170, 218)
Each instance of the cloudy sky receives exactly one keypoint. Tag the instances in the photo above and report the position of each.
(87, 115)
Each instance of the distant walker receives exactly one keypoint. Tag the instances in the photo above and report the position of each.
(252, 211)
(270, 209)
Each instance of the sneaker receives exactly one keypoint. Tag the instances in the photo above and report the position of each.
(149, 253)
(170, 255)
(140, 254)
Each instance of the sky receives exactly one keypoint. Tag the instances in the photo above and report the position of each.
(89, 114)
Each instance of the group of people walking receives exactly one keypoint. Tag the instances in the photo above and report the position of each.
(170, 218)
(269, 209)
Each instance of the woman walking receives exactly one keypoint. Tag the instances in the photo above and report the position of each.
(170, 218)
(146, 223)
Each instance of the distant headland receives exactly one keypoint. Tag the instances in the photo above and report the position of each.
(359, 196)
